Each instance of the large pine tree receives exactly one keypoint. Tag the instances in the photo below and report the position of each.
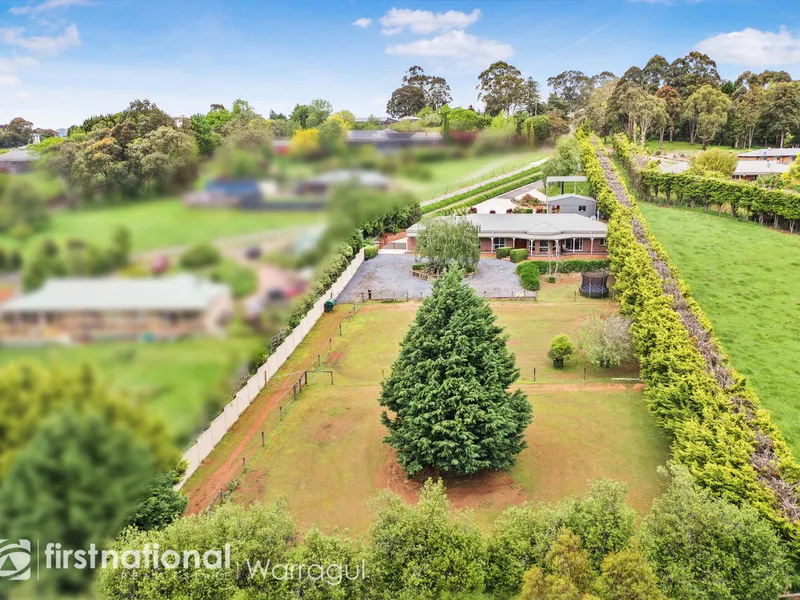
(448, 399)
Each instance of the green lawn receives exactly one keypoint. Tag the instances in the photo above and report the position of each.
(162, 224)
(326, 455)
(690, 149)
(745, 277)
(175, 380)
(454, 174)
(582, 188)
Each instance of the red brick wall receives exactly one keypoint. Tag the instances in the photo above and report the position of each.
(411, 244)
(486, 245)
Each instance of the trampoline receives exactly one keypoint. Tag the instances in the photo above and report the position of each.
(594, 284)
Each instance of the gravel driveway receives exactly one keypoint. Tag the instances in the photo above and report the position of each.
(389, 276)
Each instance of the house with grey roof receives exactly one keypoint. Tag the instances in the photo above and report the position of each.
(19, 160)
(74, 310)
(752, 169)
(389, 140)
(782, 155)
(553, 235)
(322, 184)
(574, 204)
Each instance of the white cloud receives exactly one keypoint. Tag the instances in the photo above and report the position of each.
(45, 6)
(753, 47)
(424, 22)
(43, 45)
(363, 23)
(9, 81)
(456, 44)
(10, 65)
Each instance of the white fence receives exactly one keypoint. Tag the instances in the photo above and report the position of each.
(212, 436)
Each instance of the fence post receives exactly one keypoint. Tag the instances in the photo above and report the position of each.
(584, 372)
(319, 360)
(244, 464)
(262, 439)
(534, 373)
(331, 376)
(340, 329)
(305, 373)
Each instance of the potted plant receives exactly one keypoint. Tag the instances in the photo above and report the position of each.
(561, 349)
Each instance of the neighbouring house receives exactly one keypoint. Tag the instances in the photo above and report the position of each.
(85, 309)
(321, 184)
(20, 160)
(387, 140)
(573, 204)
(750, 170)
(551, 235)
(385, 121)
(673, 167)
(561, 180)
(782, 155)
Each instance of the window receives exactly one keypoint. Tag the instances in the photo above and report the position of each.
(498, 243)
(582, 208)
(602, 241)
(532, 246)
(574, 245)
(544, 246)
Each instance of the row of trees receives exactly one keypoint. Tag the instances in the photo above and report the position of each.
(20, 132)
(690, 546)
(689, 99)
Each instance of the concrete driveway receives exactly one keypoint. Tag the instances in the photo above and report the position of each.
(389, 276)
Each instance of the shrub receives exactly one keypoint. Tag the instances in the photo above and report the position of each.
(418, 267)
(561, 348)
(607, 341)
(15, 260)
(370, 252)
(503, 252)
(551, 279)
(200, 255)
(518, 255)
(529, 275)
(135, 270)
(242, 280)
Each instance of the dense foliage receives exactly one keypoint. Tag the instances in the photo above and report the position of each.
(729, 444)
(443, 242)
(449, 407)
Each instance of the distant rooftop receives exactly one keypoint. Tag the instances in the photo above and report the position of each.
(562, 197)
(374, 135)
(364, 177)
(18, 155)
(771, 153)
(555, 226)
(760, 167)
(174, 293)
(565, 178)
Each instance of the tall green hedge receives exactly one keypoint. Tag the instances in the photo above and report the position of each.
(720, 432)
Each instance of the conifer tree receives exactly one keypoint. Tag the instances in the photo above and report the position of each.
(449, 407)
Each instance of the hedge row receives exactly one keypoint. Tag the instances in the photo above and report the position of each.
(768, 204)
(720, 432)
(503, 252)
(484, 188)
(458, 208)
(530, 271)
(518, 255)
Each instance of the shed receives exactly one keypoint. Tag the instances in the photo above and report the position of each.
(572, 204)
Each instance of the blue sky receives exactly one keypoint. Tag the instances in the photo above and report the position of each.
(63, 60)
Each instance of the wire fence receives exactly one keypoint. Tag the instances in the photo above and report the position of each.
(459, 185)
(292, 385)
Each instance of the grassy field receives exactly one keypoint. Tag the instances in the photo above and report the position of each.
(453, 174)
(175, 380)
(745, 277)
(162, 224)
(326, 455)
(689, 149)
(582, 188)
